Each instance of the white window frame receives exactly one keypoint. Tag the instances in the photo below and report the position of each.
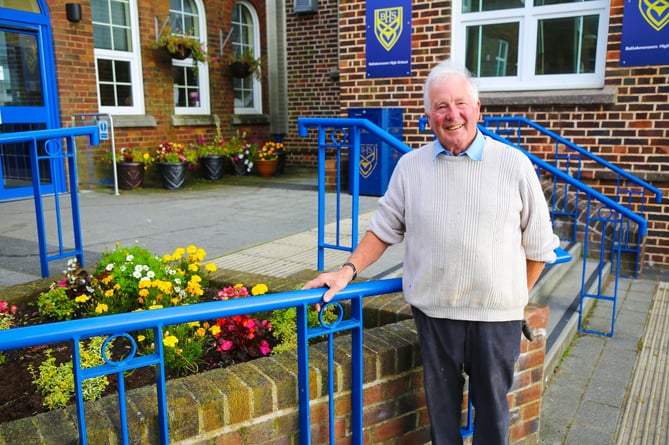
(135, 59)
(202, 68)
(528, 18)
(256, 84)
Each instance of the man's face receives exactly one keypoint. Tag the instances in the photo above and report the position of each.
(453, 113)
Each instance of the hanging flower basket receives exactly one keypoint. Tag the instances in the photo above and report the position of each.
(180, 53)
(240, 70)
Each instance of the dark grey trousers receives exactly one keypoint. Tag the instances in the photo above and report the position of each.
(487, 352)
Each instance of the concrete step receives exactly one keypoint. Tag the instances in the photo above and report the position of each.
(559, 288)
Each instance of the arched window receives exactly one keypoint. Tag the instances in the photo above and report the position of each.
(117, 56)
(191, 84)
(246, 38)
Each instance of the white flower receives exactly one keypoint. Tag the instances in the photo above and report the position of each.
(123, 268)
(145, 268)
(139, 268)
(177, 281)
(109, 267)
(137, 274)
(129, 258)
(151, 274)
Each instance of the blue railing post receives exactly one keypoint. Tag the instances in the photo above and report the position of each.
(56, 156)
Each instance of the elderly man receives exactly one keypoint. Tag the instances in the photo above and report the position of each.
(477, 232)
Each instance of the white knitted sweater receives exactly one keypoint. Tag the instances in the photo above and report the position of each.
(469, 227)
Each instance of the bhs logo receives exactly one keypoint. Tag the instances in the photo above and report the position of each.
(368, 159)
(656, 12)
(388, 26)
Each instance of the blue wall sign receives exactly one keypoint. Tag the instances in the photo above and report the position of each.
(388, 38)
(645, 37)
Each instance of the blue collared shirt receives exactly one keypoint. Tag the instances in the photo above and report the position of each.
(475, 150)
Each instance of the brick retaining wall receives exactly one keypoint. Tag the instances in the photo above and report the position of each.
(256, 402)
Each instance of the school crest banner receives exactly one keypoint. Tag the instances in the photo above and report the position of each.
(388, 38)
(645, 36)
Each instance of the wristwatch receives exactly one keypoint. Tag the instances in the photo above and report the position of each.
(352, 266)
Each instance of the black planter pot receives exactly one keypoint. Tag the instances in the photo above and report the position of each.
(239, 167)
(240, 70)
(180, 54)
(212, 167)
(281, 164)
(130, 175)
(173, 174)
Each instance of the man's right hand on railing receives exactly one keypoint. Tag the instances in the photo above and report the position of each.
(369, 250)
(335, 281)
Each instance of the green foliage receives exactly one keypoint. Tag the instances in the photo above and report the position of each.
(7, 313)
(184, 347)
(284, 325)
(55, 304)
(56, 381)
(69, 298)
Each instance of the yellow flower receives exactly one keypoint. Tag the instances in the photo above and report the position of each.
(141, 338)
(215, 329)
(109, 293)
(193, 267)
(101, 307)
(143, 292)
(170, 341)
(194, 324)
(191, 249)
(200, 332)
(167, 257)
(210, 267)
(82, 298)
(156, 306)
(259, 289)
(178, 253)
(144, 283)
(196, 278)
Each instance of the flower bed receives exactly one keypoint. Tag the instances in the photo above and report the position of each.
(125, 280)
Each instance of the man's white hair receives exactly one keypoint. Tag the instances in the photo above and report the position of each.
(443, 70)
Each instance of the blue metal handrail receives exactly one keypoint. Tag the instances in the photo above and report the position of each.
(630, 191)
(338, 134)
(57, 155)
(518, 120)
(120, 325)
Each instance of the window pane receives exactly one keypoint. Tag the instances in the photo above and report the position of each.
(186, 88)
(555, 2)
(102, 37)
(107, 95)
(125, 95)
(122, 71)
(490, 5)
(492, 50)
(99, 11)
(567, 45)
(105, 70)
(20, 62)
(122, 39)
(119, 13)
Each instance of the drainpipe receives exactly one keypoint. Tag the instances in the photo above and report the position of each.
(277, 77)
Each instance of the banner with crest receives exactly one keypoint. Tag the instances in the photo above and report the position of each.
(388, 38)
(645, 37)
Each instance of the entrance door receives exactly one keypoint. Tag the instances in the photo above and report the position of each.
(27, 95)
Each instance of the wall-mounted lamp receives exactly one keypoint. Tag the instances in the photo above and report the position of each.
(73, 12)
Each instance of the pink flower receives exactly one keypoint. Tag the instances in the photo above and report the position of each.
(226, 345)
(264, 348)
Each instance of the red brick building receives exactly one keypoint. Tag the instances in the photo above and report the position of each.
(105, 61)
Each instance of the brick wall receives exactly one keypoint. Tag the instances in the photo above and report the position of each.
(256, 402)
(627, 123)
(75, 67)
(313, 69)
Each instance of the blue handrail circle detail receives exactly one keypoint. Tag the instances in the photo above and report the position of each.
(124, 360)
